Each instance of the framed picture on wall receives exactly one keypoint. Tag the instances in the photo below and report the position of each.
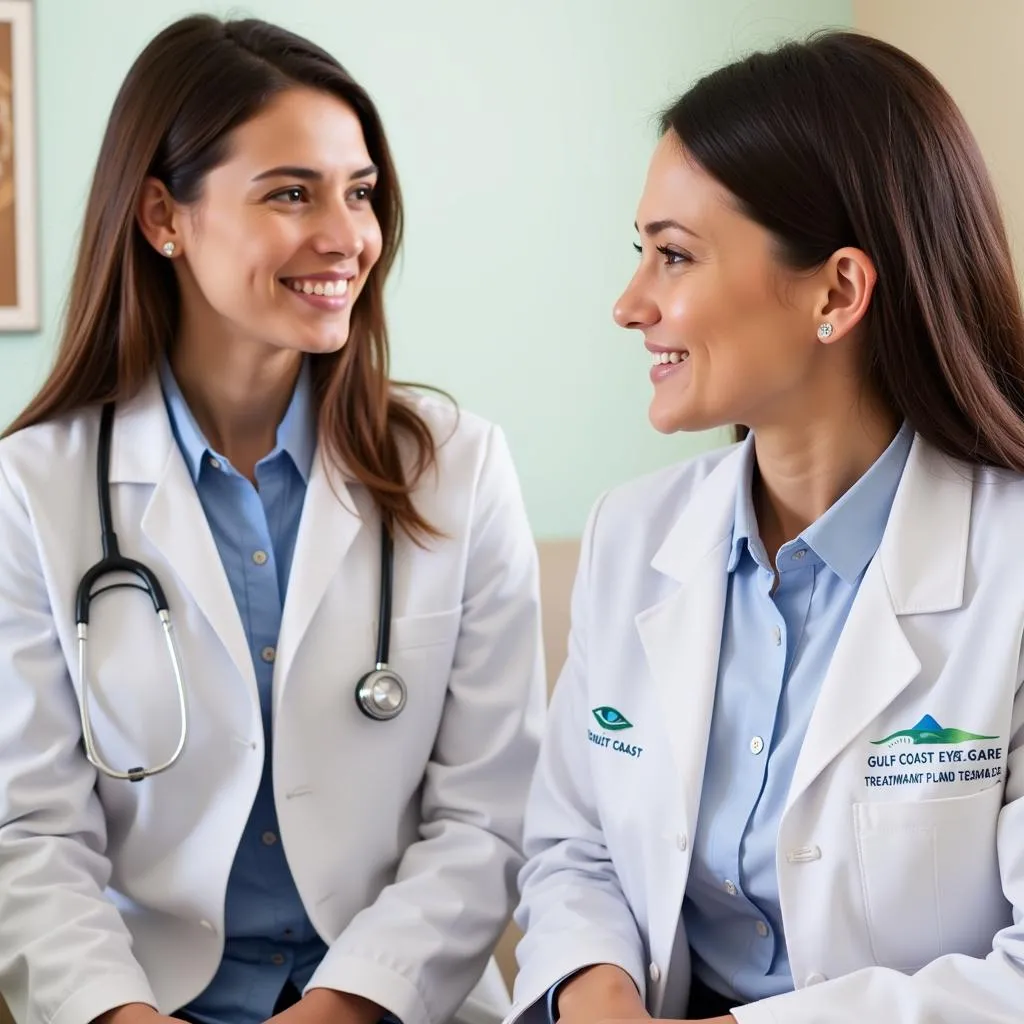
(19, 270)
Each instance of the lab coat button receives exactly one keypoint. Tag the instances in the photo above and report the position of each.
(654, 973)
(206, 925)
(681, 841)
(815, 979)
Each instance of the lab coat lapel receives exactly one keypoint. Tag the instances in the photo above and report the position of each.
(143, 451)
(919, 569)
(681, 635)
(330, 523)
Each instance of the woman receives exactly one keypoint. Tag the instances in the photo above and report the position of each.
(784, 774)
(228, 300)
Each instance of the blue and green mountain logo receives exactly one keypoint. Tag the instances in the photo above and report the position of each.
(929, 731)
(611, 720)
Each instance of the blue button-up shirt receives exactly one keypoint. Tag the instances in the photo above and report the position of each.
(776, 648)
(268, 937)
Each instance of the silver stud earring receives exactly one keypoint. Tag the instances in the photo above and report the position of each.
(168, 248)
(825, 330)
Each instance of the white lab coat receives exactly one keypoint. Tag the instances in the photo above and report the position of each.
(902, 886)
(403, 837)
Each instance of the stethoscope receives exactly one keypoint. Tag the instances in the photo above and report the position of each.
(380, 694)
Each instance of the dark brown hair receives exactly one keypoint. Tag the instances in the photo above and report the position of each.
(195, 83)
(847, 141)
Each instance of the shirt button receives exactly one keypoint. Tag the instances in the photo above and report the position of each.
(259, 557)
(269, 838)
(654, 973)
(756, 745)
(681, 841)
(777, 635)
(730, 887)
(214, 463)
(797, 555)
(762, 929)
(268, 653)
(277, 959)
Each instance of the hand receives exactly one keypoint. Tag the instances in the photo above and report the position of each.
(134, 1013)
(600, 993)
(727, 1019)
(326, 1006)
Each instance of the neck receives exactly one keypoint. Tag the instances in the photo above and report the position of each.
(238, 395)
(803, 470)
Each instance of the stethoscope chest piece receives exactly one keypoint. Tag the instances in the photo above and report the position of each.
(381, 694)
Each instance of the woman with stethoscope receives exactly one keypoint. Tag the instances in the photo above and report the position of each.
(287, 777)
(783, 779)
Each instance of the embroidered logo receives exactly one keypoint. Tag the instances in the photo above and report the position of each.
(928, 731)
(611, 720)
(935, 757)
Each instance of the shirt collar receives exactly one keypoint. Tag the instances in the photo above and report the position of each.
(847, 536)
(296, 433)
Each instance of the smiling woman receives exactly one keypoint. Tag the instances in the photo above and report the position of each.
(325, 844)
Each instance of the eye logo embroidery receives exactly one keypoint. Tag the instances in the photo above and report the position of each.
(611, 720)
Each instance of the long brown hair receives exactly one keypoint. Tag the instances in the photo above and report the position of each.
(188, 90)
(847, 141)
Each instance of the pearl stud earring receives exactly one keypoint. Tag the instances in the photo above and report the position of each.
(168, 248)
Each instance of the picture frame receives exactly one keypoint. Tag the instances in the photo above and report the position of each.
(19, 257)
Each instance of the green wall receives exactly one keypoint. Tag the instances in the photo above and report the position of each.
(522, 132)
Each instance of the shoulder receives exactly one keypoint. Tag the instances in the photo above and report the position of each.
(473, 474)
(654, 502)
(463, 441)
(55, 451)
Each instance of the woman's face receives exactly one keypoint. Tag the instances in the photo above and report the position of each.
(283, 238)
(730, 329)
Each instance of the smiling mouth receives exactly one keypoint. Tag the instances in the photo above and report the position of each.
(331, 289)
(662, 358)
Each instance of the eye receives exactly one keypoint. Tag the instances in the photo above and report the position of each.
(610, 719)
(639, 248)
(674, 257)
(291, 196)
(362, 193)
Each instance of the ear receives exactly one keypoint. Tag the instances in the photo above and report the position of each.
(156, 215)
(849, 282)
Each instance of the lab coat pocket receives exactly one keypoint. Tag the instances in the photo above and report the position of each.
(423, 651)
(930, 876)
(412, 631)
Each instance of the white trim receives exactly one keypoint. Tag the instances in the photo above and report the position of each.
(25, 315)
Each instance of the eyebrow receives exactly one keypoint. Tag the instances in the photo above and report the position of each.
(655, 227)
(308, 174)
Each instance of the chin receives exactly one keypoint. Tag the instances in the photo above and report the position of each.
(674, 421)
(324, 344)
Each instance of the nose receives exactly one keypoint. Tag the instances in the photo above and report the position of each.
(339, 232)
(635, 308)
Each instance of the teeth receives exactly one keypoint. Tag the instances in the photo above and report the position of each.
(329, 288)
(660, 358)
